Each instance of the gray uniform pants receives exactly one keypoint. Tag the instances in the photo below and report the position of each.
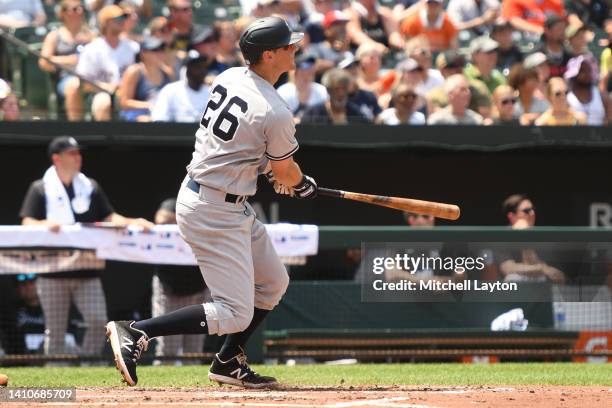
(55, 295)
(164, 301)
(239, 264)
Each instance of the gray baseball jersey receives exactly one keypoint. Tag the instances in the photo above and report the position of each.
(245, 123)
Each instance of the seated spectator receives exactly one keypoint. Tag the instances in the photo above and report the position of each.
(528, 106)
(582, 75)
(503, 111)
(451, 63)
(420, 50)
(313, 22)
(407, 72)
(142, 81)
(335, 45)
(371, 22)
(578, 40)
(160, 27)
(529, 15)
(131, 21)
(9, 105)
(474, 15)
(303, 92)
(183, 100)
(508, 54)
(422, 76)
(228, 53)
(181, 21)
(9, 108)
(559, 113)
(370, 62)
(590, 13)
(364, 100)
(143, 7)
(103, 61)
(338, 110)
(176, 286)
(433, 22)
(457, 88)
(538, 62)
(525, 265)
(63, 44)
(205, 40)
(484, 60)
(552, 44)
(17, 14)
(404, 99)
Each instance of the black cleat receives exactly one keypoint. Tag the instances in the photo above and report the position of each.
(128, 344)
(236, 371)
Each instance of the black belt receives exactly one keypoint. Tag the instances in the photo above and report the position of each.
(229, 198)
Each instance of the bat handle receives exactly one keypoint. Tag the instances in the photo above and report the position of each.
(330, 192)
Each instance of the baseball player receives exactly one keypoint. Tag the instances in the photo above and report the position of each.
(245, 130)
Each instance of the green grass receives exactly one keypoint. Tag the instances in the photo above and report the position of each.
(323, 375)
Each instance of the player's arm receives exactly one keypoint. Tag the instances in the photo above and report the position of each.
(286, 171)
(287, 178)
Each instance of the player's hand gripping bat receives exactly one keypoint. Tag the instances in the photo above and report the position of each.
(438, 210)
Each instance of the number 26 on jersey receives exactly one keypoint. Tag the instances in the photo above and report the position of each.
(225, 122)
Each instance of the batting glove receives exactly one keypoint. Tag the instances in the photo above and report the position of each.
(307, 188)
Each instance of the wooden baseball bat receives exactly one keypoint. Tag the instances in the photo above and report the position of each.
(438, 210)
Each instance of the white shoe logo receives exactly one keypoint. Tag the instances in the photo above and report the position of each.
(239, 374)
(127, 343)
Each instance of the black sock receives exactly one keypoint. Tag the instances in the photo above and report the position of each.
(235, 341)
(187, 320)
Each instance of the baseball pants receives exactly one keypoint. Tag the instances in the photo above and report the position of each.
(235, 255)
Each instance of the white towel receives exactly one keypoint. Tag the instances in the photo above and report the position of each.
(512, 320)
(59, 207)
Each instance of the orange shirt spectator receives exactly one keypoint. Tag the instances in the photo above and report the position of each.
(433, 22)
(529, 15)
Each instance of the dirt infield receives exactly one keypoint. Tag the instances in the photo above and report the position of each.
(341, 397)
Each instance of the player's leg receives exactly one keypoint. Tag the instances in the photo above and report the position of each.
(54, 295)
(219, 236)
(194, 343)
(271, 282)
(89, 299)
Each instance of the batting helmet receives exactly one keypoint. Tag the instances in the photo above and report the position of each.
(266, 34)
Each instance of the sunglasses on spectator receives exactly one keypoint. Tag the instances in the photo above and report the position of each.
(181, 9)
(408, 95)
(528, 210)
(120, 18)
(561, 93)
(75, 9)
(508, 101)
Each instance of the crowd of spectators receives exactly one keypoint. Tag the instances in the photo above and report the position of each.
(397, 62)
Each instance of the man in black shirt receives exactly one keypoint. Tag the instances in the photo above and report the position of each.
(508, 53)
(338, 110)
(552, 44)
(65, 196)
